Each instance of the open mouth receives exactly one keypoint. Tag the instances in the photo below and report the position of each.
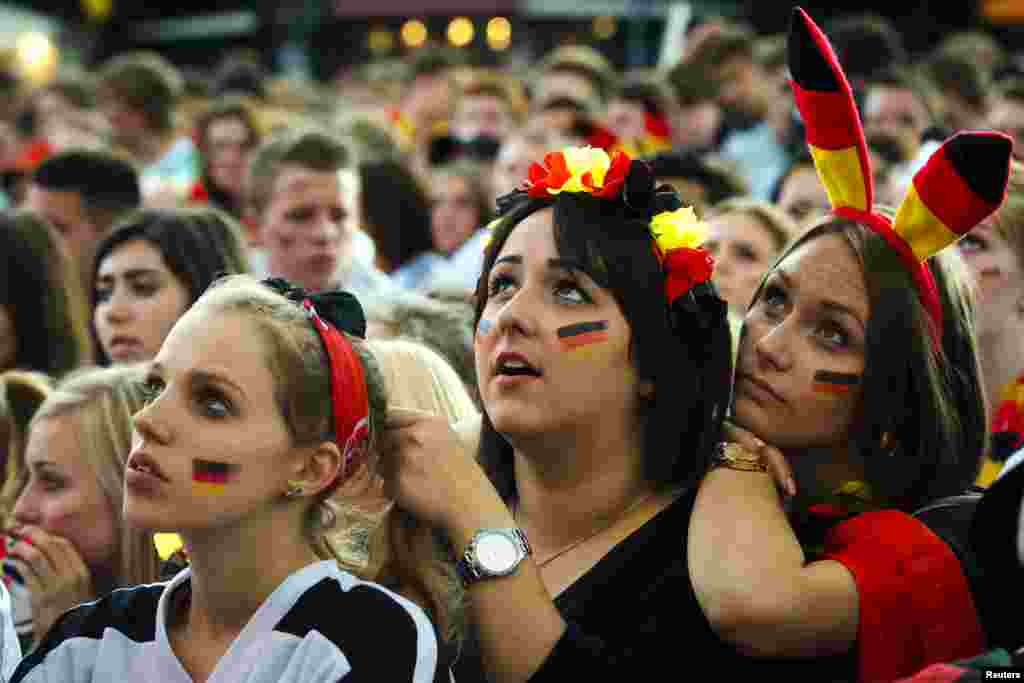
(514, 365)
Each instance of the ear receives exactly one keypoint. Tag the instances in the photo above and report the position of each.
(835, 137)
(318, 468)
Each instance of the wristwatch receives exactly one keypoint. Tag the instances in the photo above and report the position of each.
(492, 553)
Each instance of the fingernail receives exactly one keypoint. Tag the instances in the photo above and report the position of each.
(791, 486)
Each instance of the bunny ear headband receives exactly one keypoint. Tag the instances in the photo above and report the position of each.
(962, 182)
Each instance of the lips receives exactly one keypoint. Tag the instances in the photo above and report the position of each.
(140, 462)
(122, 346)
(761, 386)
(510, 364)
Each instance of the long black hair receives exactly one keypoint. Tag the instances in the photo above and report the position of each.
(683, 349)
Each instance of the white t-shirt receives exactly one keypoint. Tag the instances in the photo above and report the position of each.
(10, 650)
(321, 625)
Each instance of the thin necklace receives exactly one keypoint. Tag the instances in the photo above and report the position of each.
(578, 542)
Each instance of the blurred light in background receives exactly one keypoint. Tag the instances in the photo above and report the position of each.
(380, 40)
(499, 33)
(97, 10)
(605, 27)
(460, 32)
(36, 56)
(414, 33)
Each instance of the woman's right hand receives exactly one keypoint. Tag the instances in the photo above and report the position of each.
(776, 462)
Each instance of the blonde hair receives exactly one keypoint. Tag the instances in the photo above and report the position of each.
(21, 394)
(780, 227)
(102, 401)
(299, 364)
(1009, 218)
(418, 377)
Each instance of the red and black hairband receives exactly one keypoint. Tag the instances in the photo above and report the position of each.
(331, 313)
(962, 182)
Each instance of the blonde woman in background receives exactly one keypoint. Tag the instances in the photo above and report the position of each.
(67, 541)
(21, 394)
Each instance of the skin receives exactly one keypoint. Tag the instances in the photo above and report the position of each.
(695, 126)
(1007, 115)
(803, 196)
(896, 109)
(212, 397)
(482, 114)
(65, 211)
(138, 301)
(8, 340)
(70, 522)
(574, 431)
(743, 250)
(305, 226)
(228, 143)
(749, 572)
(626, 119)
(744, 87)
(453, 213)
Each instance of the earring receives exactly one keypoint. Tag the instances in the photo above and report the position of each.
(294, 490)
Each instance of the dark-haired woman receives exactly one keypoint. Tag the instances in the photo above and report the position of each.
(603, 359)
(858, 361)
(151, 268)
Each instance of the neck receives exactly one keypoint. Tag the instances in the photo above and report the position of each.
(232, 574)
(570, 484)
(150, 147)
(1002, 359)
(820, 471)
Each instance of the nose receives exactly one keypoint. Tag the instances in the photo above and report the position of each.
(516, 315)
(146, 423)
(771, 346)
(326, 230)
(26, 509)
(117, 308)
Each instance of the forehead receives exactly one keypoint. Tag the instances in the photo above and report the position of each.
(229, 344)
(227, 126)
(890, 97)
(736, 225)
(827, 268)
(479, 101)
(533, 238)
(132, 255)
(54, 439)
(293, 181)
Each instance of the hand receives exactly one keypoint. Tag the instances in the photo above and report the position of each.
(431, 474)
(55, 574)
(777, 464)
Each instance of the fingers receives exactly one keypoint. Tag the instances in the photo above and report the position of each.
(398, 418)
(777, 464)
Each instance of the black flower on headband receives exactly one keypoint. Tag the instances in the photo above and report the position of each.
(339, 308)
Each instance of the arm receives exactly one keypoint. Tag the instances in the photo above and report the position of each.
(751, 579)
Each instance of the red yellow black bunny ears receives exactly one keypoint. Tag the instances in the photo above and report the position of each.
(962, 182)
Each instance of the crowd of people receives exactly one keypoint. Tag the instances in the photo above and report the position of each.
(445, 372)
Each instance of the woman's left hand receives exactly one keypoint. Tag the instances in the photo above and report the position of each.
(55, 574)
(772, 457)
(431, 474)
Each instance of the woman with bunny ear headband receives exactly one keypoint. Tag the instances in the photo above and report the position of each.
(857, 363)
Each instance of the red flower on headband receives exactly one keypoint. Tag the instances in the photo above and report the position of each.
(579, 169)
(684, 268)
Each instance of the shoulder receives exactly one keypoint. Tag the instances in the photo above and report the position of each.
(130, 612)
(379, 629)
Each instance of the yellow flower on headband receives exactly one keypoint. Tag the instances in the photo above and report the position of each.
(678, 229)
(581, 161)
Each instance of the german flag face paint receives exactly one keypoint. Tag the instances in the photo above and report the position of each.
(835, 383)
(211, 477)
(580, 338)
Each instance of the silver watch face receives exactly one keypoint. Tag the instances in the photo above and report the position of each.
(496, 553)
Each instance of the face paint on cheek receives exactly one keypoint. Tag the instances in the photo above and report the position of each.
(579, 339)
(835, 383)
(484, 327)
(211, 477)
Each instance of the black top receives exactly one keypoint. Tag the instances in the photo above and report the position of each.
(636, 610)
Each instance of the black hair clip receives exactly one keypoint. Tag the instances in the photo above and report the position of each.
(701, 305)
(340, 308)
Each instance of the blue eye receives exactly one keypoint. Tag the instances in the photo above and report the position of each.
(568, 290)
(498, 284)
(212, 404)
(833, 335)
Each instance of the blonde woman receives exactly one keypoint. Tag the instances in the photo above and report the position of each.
(21, 394)
(263, 406)
(67, 543)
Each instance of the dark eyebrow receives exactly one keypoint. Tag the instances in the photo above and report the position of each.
(824, 304)
(209, 376)
(566, 264)
(130, 274)
(512, 258)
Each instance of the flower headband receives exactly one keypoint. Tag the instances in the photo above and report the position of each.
(329, 313)
(677, 234)
(962, 182)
